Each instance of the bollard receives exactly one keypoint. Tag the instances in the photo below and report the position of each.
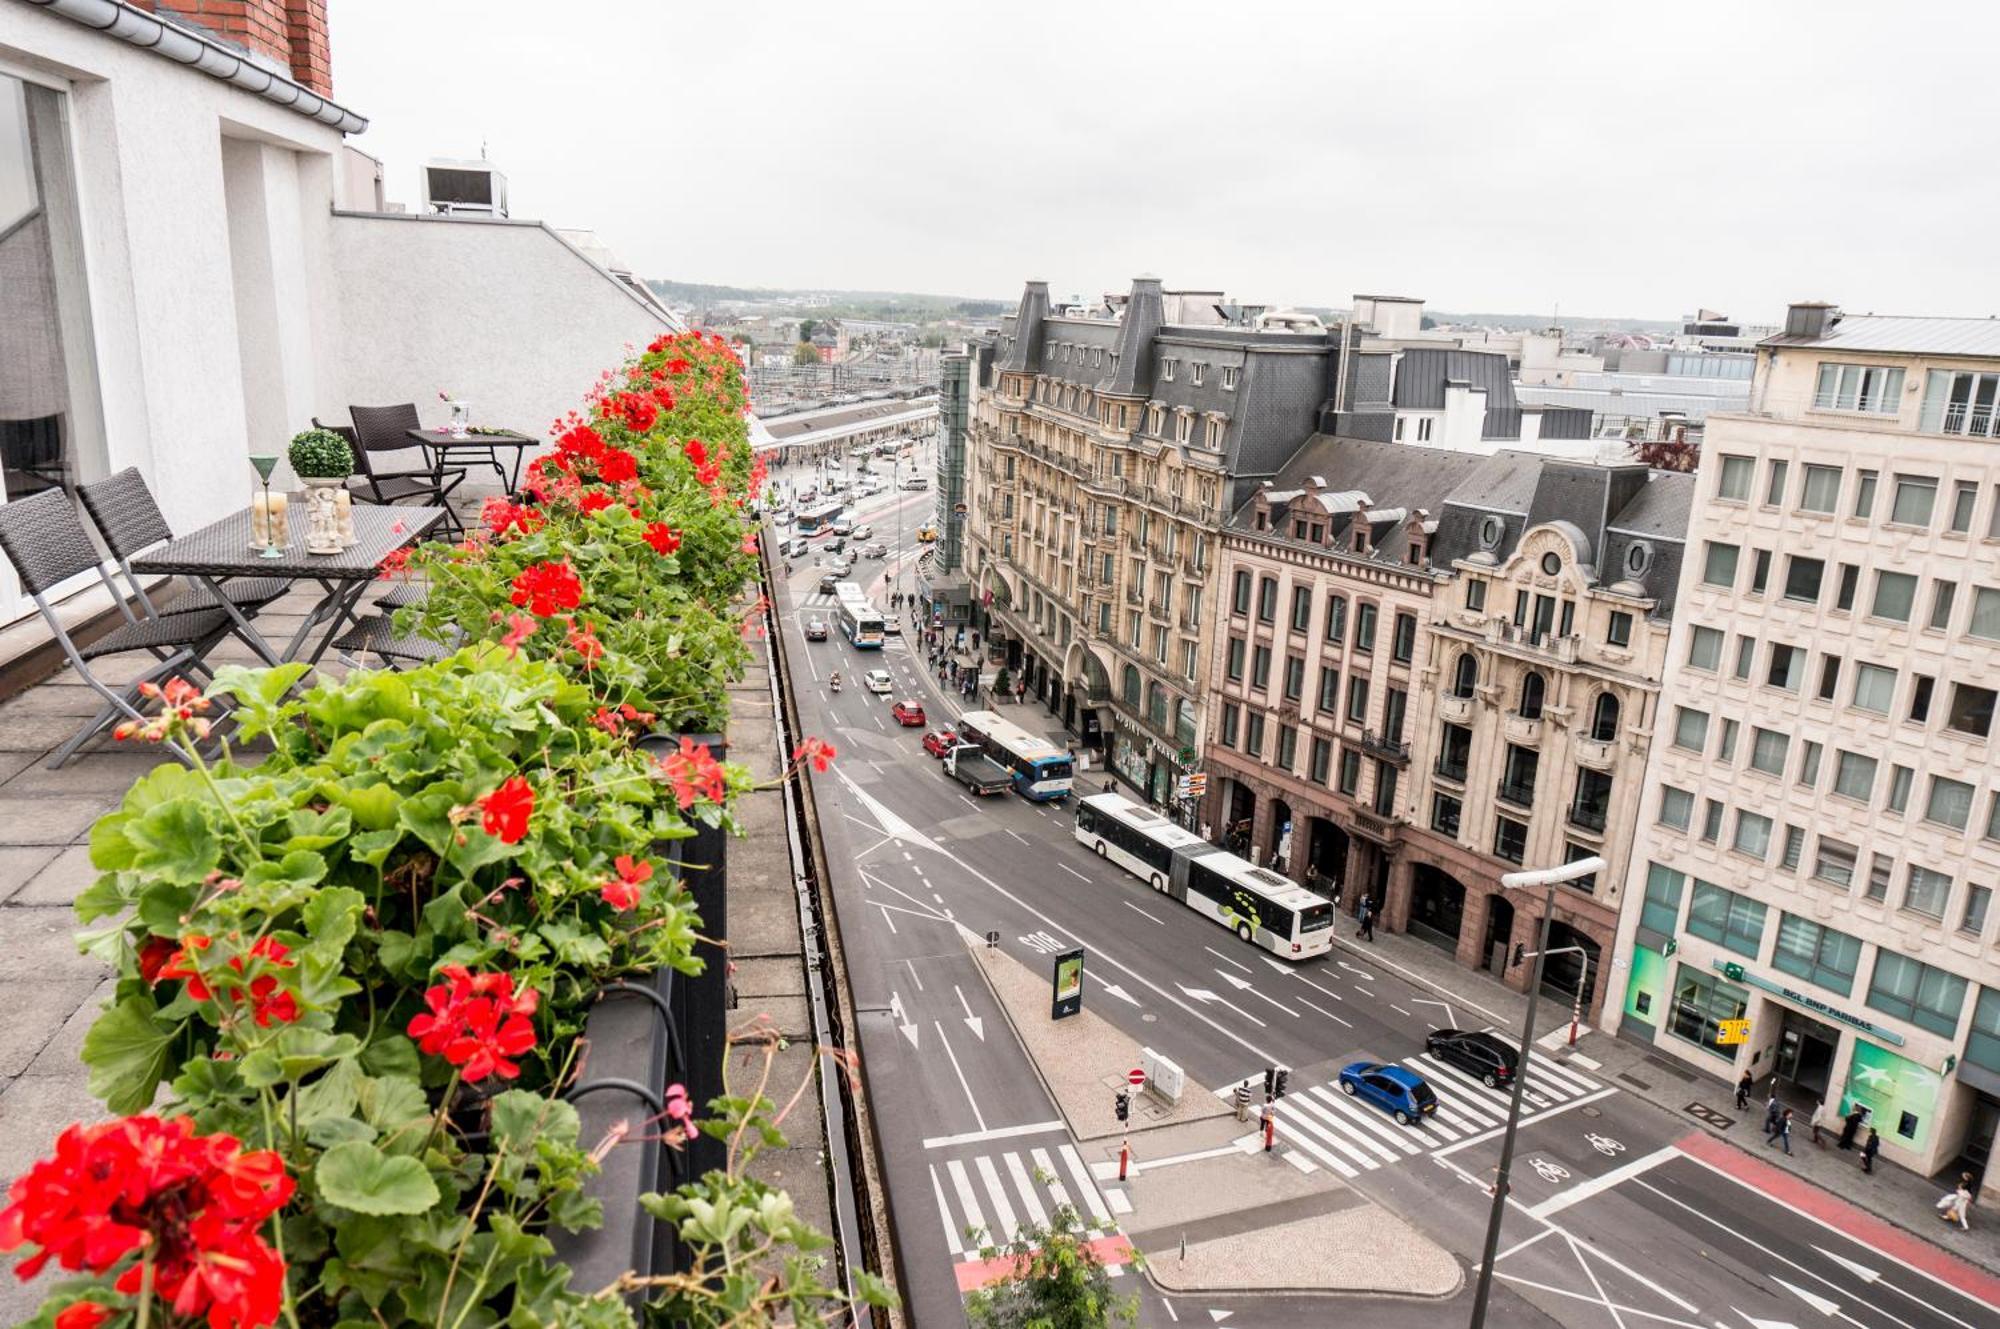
(1270, 1128)
(1124, 1157)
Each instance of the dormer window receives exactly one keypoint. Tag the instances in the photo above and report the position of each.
(1360, 542)
(1229, 378)
(1263, 520)
(1197, 372)
(1416, 551)
(1167, 368)
(1183, 426)
(1154, 415)
(1096, 358)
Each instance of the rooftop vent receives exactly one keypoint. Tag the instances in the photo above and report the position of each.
(1812, 319)
(465, 186)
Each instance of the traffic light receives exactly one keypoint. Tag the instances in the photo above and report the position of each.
(1270, 1082)
(1283, 1077)
(1520, 954)
(1122, 1105)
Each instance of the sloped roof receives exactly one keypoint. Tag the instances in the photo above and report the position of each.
(1909, 336)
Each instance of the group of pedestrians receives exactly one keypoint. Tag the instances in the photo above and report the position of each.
(1778, 1124)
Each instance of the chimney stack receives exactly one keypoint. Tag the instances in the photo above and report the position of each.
(288, 36)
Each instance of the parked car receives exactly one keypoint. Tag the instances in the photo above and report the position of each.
(1401, 1093)
(815, 629)
(875, 549)
(909, 713)
(878, 680)
(1478, 1054)
(862, 532)
(940, 741)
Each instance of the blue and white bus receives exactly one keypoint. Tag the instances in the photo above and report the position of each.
(1041, 770)
(1258, 905)
(816, 519)
(860, 621)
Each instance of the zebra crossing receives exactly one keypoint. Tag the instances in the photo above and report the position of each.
(1348, 1137)
(988, 1198)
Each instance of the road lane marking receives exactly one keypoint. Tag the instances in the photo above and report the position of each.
(1137, 910)
(1018, 836)
(966, 1201)
(1003, 1209)
(1544, 1115)
(1226, 960)
(944, 1213)
(1583, 1190)
(1306, 1002)
(1243, 985)
(997, 1133)
(1087, 1188)
(885, 917)
(1029, 1200)
(911, 965)
(976, 1114)
(1072, 872)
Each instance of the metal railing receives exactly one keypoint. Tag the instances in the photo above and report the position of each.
(1520, 793)
(1590, 816)
(1382, 745)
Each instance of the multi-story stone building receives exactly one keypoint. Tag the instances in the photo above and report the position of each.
(1109, 442)
(1822, 813)
(1536, 707)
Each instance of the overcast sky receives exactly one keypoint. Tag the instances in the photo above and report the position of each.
(1607, 159)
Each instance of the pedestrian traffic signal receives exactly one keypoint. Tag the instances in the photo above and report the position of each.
(1283, 1077)
(1520, 954)
(1270, 1082)
(1122, 1105)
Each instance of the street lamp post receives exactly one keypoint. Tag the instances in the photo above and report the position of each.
(1549, 879)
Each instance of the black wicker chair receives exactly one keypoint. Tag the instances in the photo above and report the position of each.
(45, 540)
(123, 510)
(381, 431)
(376, 635)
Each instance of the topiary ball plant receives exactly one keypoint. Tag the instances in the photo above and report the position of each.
(321, 454)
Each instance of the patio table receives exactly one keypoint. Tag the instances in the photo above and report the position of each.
(221, 551)
(442, 445)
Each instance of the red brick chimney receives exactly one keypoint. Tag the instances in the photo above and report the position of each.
(290, 32)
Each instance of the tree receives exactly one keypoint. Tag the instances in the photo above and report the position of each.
(807, 326)
(1058, 1281)
(805, 353)
(1668, 454)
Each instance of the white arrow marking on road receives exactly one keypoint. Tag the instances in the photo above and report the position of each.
(1243, 985)
(1861, 1271)
(1756, 1323)
(972, 1022)
(1812, 1299)
(1450, 1021)
(1366, 977)
(902, 1020)
(1217, 1317)
(1114, 990)
(1203, 994)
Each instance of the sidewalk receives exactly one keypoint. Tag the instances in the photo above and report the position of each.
(1893, 1194)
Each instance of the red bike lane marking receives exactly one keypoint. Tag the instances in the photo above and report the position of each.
(1113, 1249)
(1847, 1221)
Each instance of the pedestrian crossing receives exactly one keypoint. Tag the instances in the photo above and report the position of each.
(1347, 1136)
(990, 1198)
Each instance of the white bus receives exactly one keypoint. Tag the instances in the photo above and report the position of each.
(813, 520)
(860, 621)
(1041, 769)
(1258, 905)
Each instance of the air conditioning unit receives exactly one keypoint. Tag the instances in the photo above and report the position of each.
(475, 187)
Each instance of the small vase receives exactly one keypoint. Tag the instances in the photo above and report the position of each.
(323, 516)
(461, 419)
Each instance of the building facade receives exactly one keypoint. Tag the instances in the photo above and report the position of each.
(1821, 830)
(1108, 445)
(1536, 708)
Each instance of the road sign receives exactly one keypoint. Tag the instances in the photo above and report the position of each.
(1135, 1077)
(1732, 1031)
(1197, 784)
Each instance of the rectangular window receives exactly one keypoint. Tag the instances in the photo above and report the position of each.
(1864, 495)
(1454, 751)
(1821, 490)
(1895, 596)
(1701, 1003)
(1850, 582)
(1874, 688)
(1915, 498)
(1711, 820)
(1357, 700)
(1760, 572)
(1809, 756)
(1949, 804)
(1746, 656)
(1971, 709)
(1787, 668)
(1795, 848)
(1320, 762)
(1230, 715)
(1733, 921)
(1964, 498)
(1972, 921)
(1239, 591)
(1803, 577)
(1719, 562)
(1900, 779)
(1922, 686)
(1734, 481)
(1590, 808)
(1475, 594)
(1725, 751)
(1690, 729)
(1660, 914)
(1982, 1043)
(1676, 807)
(1769, 750)
(1985, 621)
(1446, 811)
(1753, 835)
(1833, 861)
(1927, 997)
(1880, 868)
(1329, 689)
(1253, 734)
(1403, 641)
(1925, 892)
(1829, 677)
(1517, 777)
(1260, 668)
(1190, 660)
(1774, 485)
(1234, 668)
(1818, 954)
(1618, 631)
(1364, 625)
(1336, 618)
(1510, 839)
(1295, 677)
(1288, 747)
(1302, 608)
(1854, 776)
(1267, 600)
(1705, 648)
(1875, 389)
(1350, 771)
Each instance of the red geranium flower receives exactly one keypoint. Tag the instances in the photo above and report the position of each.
(694, 772)
(617, 466)
(520, 627)
(583, 640)
(580, 440)
(815, 750)
(156, 954)
(507, 810)
(547, 588)
(664, 538)
(501, 516)
(593, 500)
(623, 892)
(81, 1315)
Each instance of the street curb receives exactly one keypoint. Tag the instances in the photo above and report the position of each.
(1402, 1294)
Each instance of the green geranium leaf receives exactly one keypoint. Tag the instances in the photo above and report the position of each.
(126, 1051)
(101, 899)
(331, 918)
(372, 847)
(521, 1118)
(373, 805)
(109, 849)
(390, 1101)
(295, 1053)
(335, 1094)
(175, 842)
(316, 830)
(428, 816)
(392, 1055)
(361, 1177)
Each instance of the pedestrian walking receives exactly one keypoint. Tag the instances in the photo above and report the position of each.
(1743, 1092)
(1852, 1126)
(1818, 1120)
(1772, 1111)
(1782, 1134)
(1869, 1150)
(1956, 1205)
(1365, 915)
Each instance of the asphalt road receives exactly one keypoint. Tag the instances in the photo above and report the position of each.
(1612, 1222)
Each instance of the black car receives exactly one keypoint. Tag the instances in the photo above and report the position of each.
(1478, 1054)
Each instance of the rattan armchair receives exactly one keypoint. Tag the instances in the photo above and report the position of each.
(380, 432)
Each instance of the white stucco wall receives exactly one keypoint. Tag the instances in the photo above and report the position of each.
(503, 314)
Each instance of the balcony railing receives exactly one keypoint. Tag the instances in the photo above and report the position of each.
(1382, 745)
(1589, 815)
(1521, 793)
(1451, 770)
(1160, 609)
(1134, 596)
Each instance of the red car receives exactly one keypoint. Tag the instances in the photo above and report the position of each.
(940, 741)
(909, 714)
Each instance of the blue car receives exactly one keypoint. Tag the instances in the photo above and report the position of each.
(1400, 1093)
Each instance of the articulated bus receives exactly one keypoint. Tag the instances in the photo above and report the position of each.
(1258, 905)
(860, 621)
(816, 519)
(1041, 769)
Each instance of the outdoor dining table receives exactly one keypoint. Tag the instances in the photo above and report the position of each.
(223, 550)
(442, 444)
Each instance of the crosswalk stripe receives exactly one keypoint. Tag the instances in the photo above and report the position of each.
(1084, 1185)
(944, 1212)
(1303, 1131)
(1375, 1125)
(1493, 1102)
(1003, 1211)
(1029, 1200)
(963, 1185)
(1047, 1168)
(1575, 1083)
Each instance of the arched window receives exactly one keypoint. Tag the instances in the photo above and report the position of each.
(1129, 685)
(1465, 675)
(1604, 718)
(1534, 690)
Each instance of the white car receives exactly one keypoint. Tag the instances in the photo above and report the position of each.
(878, 680)
(916, 482)
(863, 531)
